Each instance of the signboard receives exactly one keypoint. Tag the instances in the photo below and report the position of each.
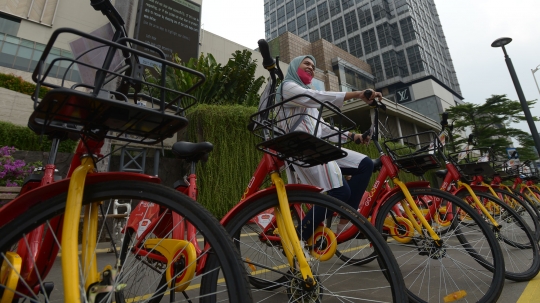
(171, 25)
(512, 151)
(403, 95)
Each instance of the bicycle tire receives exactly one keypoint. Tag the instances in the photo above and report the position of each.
(223, 269)
(517, 241)
(518, 202)
(378, 284)
(434, 273)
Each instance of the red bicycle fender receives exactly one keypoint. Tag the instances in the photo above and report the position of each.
(25, 201)
(414, 184)
(262, 193)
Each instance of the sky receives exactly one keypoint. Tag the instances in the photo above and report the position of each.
(470, 26)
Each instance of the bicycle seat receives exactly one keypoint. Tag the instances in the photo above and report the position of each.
(192, 151)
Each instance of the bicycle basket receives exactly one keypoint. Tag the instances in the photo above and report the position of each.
(417, 153)
(474, 162)
(128, 101)
(290, 132)
(505, 169)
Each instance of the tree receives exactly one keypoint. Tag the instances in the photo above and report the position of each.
(233, 83)
(490, 124)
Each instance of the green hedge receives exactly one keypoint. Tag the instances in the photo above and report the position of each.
(17, 84)
(22, 138)
(223, 179)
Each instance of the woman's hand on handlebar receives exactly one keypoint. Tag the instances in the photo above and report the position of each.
(369, 95)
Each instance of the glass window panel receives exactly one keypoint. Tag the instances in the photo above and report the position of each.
(351, 25)
(299, 6)
(13, 40)
(326, 33)
(376, 67)
(314, 36)
(312, 18)
(291, 26)
(335, 7)
(369, 40)
(281, 15)
(23, 58)
(309, 3)
(339, 30)
(7, 55)
(364, 15)
(345, 4)
(355, 46)
(385, 35)
(301, 23)
(282, 29)
(322, 9)
(290, 9)
(9, 26)
(407, 29)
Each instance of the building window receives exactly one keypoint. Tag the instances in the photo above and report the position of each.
(291, 26)
(402, 64)
(24, 55)
(390, 63)
(339, 30)
(347, 3)
(326, 33)
(282, 29)
(322, 9)
(364, 16)
(351, 25)
(376, 67)
(407, 29)
(415, 56)
(355, 46)
(290, 9)
(9, 26)
(381, 9)
(266, 9)
(273, 20)
(309, 3)
(281, 15)
(274, 34)
(342, 45)
(301, 23)
(402, 6)
(369, 40)
(314, 36)
(356, 80)
(396, 37)
(299, 6)
(384, 33)
(335, 7)
(279, 2)
(272, 5)
(312, 18)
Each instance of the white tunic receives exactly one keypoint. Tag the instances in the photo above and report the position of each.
(326, 176)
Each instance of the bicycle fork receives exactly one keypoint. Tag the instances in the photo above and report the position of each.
(70, 235)
(289, 238)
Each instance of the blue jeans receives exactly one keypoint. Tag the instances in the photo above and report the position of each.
(351, 193)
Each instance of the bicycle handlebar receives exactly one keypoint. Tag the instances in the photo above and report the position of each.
(268, 61)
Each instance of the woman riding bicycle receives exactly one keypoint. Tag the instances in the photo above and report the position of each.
(329, 176)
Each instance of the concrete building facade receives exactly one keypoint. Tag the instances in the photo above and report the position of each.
(402, 41)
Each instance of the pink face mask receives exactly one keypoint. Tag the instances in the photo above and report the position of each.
(304, 76)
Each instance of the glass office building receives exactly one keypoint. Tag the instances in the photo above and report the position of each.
(402, 40)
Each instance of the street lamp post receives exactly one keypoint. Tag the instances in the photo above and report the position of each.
(534, 71)
(501, 42)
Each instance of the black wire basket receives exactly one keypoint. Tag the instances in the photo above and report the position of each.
(133, 100)
(416, 153)
(476, 161)
(505, 170)
(281, 135)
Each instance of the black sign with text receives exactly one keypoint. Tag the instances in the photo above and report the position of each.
(403, 95)
(171, 25)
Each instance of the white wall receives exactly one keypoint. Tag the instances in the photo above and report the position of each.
(429, 88)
